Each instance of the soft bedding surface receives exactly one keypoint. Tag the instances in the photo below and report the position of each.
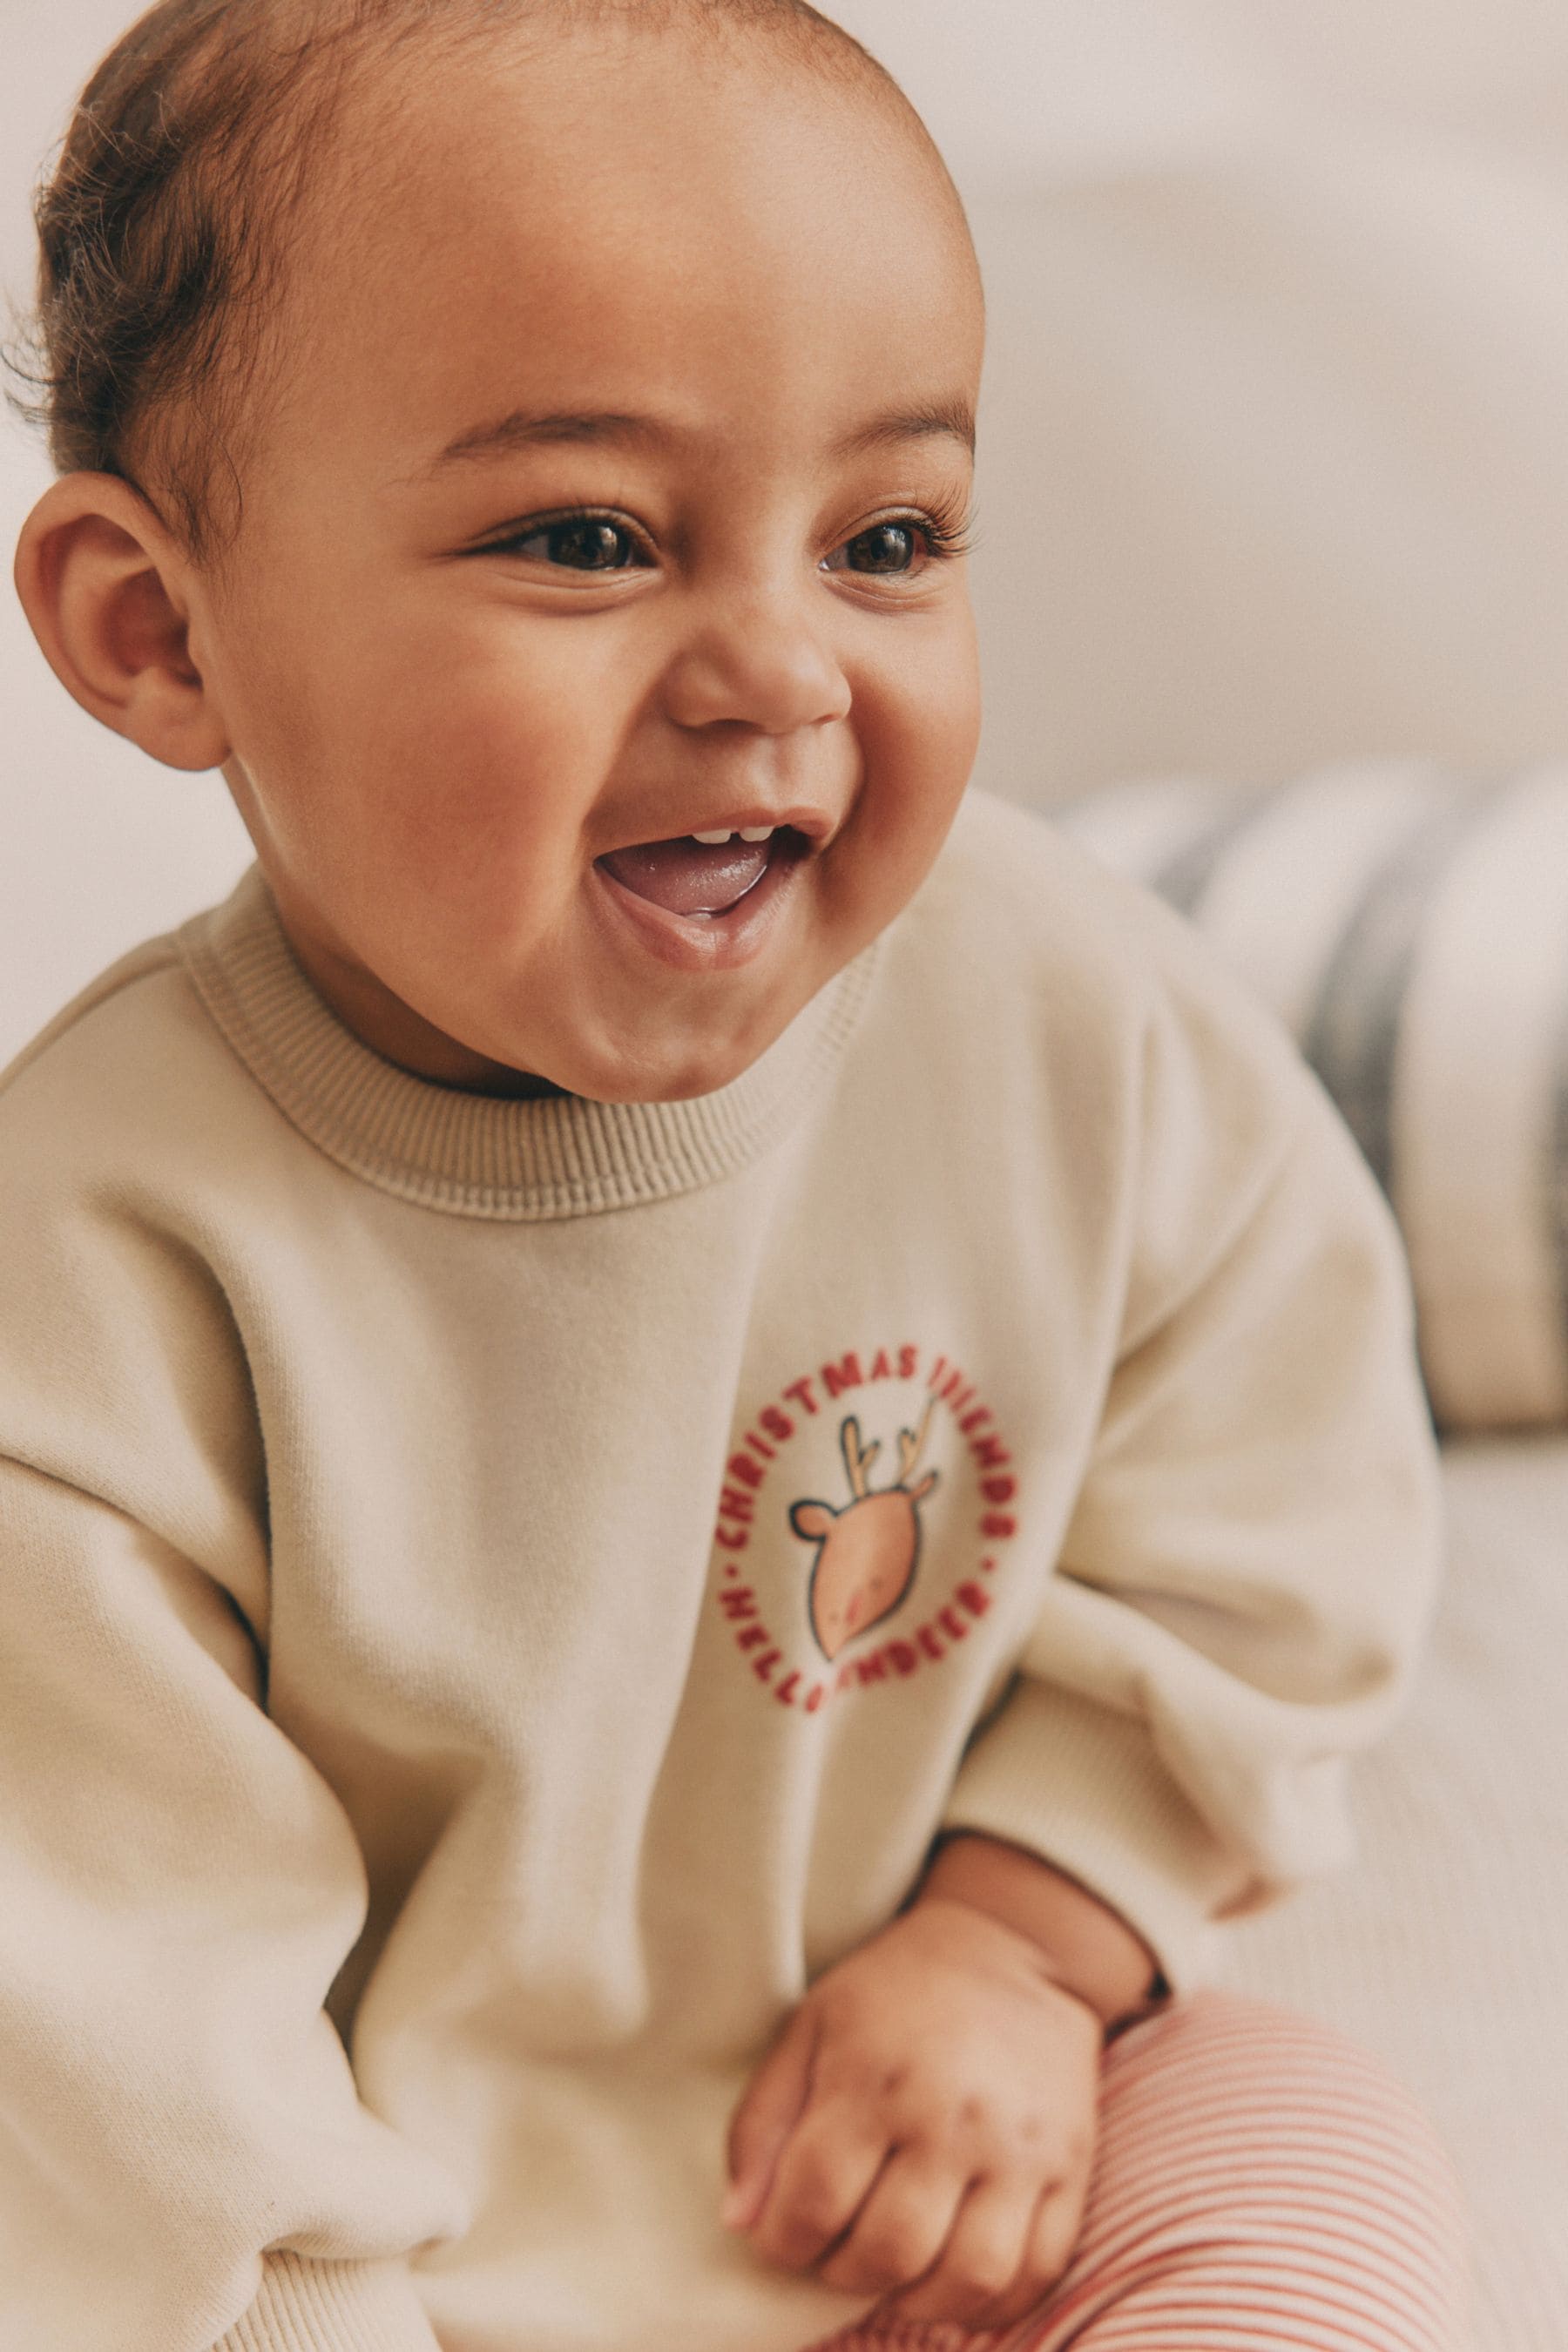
(1444, 1947)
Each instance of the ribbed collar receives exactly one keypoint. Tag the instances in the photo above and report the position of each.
(483, 1155)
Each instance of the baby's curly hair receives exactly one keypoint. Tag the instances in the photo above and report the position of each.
(163, 227)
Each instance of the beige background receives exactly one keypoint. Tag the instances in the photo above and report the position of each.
(1275, 461)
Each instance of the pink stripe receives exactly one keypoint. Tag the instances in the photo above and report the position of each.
(1260, 2182)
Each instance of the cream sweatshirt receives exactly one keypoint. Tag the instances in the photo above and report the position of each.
(497, 1595)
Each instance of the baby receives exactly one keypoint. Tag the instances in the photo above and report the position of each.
(699, 1453)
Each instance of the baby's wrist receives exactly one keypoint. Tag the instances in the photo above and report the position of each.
(1083, 1946)
(981, 1928)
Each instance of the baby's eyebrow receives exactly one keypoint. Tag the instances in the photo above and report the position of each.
(522, 429)
(953, 416)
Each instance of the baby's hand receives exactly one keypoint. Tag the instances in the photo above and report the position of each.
(923, 2130)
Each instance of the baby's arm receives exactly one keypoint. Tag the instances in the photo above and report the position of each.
(185, 2150)
(178, 1888)
(928, 2114)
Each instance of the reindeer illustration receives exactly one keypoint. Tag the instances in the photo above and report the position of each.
(868, 1551)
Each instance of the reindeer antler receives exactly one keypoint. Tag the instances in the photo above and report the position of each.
(857, 1459)
(910, 1442)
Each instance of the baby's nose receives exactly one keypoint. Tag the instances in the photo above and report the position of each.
(758, 664)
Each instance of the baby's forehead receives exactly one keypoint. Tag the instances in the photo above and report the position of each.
(566, 179)
(670, 76)
(510, 262)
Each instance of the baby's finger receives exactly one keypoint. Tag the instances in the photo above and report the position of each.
(820, 2181)
(768, 2112)
(901, 2228)
(983, 2258)
(1052, 2234)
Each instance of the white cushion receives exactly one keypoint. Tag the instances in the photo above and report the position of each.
(1411, 929)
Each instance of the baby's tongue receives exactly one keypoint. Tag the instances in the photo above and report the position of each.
(687, 877)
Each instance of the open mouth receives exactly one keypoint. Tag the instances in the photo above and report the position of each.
(703, 876)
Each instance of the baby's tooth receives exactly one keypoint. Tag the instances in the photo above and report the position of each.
(757, 833)
(716, 840)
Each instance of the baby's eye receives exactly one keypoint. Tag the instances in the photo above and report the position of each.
(582, 542)
(884, 547)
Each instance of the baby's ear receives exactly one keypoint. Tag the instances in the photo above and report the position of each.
(107, 593)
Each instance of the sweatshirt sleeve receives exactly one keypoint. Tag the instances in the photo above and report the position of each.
(184, 2158)
(1240, 1596)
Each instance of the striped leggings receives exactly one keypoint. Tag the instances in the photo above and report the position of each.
(1261, 2185)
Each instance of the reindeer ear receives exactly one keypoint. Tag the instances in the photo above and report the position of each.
(812, 1520)
(918, 1494)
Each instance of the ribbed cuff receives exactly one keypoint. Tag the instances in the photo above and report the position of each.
(1082, 1788)
(305, 2307)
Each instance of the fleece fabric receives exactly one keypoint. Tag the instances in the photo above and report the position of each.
(496, 1596)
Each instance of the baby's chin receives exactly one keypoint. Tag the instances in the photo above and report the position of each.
(633, 1079)
(604, 1072)
(673, 1069)
(643, 1038)
(609, 1067)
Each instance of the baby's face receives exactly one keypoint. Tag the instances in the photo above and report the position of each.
(602, 507)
